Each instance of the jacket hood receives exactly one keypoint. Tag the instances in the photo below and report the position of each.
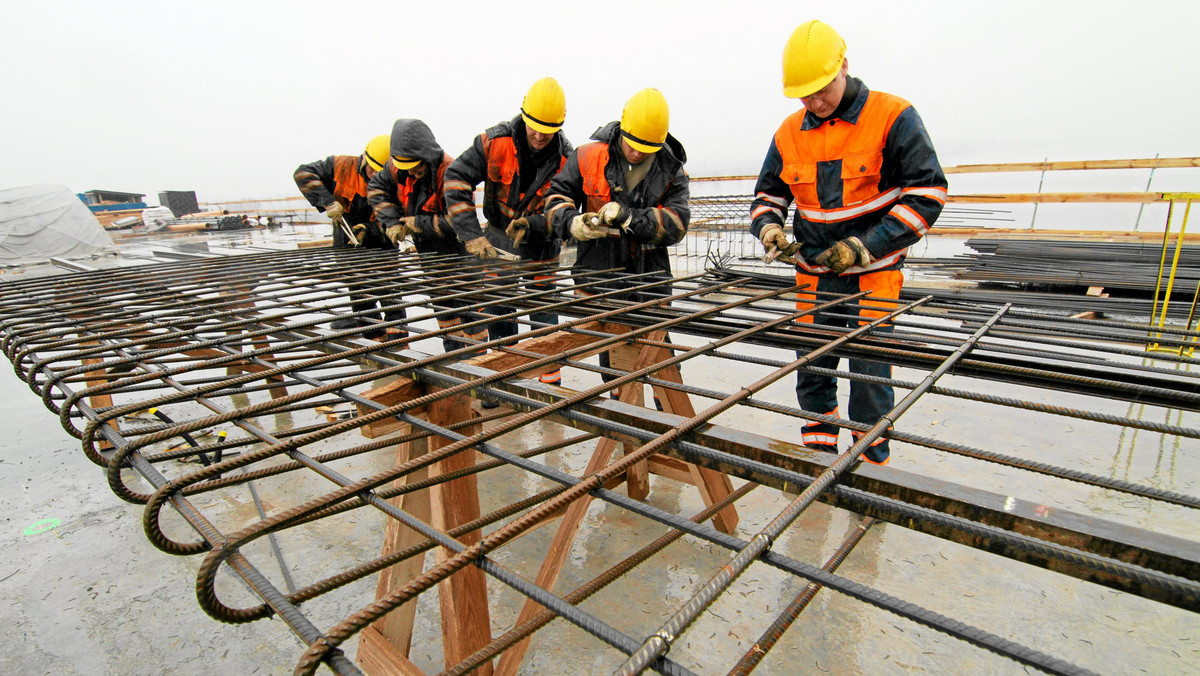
(413, 138)
(611, 132)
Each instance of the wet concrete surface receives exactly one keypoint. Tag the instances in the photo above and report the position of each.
(89, 594)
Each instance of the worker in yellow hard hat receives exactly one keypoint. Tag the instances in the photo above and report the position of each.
(866, 184)
(337, 186)
(515, 161)
(623, 199)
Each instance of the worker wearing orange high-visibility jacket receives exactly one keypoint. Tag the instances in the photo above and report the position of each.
(624, 197)
(515, 161)
(337, 186)
(866, 184)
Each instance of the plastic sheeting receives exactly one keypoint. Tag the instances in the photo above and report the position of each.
(38, 222)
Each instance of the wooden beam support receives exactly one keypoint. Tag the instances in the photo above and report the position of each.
(378, 657)
(466, 626)
(395, 392)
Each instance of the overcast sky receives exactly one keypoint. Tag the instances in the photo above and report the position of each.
(226, 98)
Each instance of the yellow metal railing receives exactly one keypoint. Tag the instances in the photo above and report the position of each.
(1158, 318)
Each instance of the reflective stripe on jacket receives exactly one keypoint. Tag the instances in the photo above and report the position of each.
(494, 160)
(658, 204)
(870, 173)
(337, 178)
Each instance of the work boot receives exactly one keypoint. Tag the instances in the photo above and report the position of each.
(489, 404)
(346, 323)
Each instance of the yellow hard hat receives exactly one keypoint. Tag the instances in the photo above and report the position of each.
(405, 163)
(545, 106)
(645, 119)
(812, 57)
(376, 153)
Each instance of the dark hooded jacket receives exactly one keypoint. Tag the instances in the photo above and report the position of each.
(515, 180)
(394, 193)
(659, 203)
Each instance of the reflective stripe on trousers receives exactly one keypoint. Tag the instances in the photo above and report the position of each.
(817, 392)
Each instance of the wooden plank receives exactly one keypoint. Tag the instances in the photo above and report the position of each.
(396, 627)
(549, 344)
(1152, 163)
(1000, 167)
(466, 626)
(638, 475)
(98, 401)
(395, 392)
(714, 486)
(1058, 198)
(377, 657)
(552, 565)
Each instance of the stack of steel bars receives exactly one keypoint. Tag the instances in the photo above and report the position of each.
(231, 362)
(1113, 265)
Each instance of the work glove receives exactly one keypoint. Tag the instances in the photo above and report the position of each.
(336, 214)
(615, 215)
(772, 237)
(586, 226)
(395, 234)
(844, 254)
(479, 247)
(517, 229)
(360, 232)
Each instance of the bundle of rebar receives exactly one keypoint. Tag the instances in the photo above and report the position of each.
(1134, 266)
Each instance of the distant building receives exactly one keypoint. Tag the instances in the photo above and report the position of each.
(111, 200)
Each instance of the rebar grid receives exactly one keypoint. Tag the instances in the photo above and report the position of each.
(191, 363)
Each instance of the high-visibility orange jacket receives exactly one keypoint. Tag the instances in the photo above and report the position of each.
(869, 172)
(593, 176)
(515, 180)
(336, 178)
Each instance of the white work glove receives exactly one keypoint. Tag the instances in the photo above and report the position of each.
(615, 215)
(585, 227)
(480, 248)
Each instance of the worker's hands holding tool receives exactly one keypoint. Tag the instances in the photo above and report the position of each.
(587, 226)
(615, 215)
(406, 226)
(777, 245)
(336, 214)
(480, 248)
(360, 233)
(395, 234)
(517, 229)
(844, 254)
(772, 237)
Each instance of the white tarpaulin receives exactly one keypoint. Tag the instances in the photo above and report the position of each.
(41, 221)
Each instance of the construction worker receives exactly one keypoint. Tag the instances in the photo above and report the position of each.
(624, 197)
(337, 186)
(867, 184)
(515, 160)
(407, 199)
